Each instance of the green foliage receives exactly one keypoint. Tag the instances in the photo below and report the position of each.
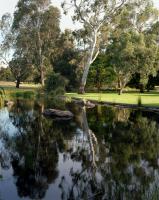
(6, 74)
(55, 84)
(133, 52)
(36, 23)
(58, 91)
(2, 92)
(118, 39)
(7, 38)
(67, 60)
(100, 74)
(25, 94)
(122, 56)
(20, 68)
(148, 61)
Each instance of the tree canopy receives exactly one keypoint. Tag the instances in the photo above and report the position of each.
(116, 40)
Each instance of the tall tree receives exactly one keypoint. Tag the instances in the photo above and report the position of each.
(6, 38)
(122, 58)
(93, 14)
(131, 48)
(41, 23)
(21, 64)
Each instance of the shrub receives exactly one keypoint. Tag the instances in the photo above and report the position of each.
(55, 84)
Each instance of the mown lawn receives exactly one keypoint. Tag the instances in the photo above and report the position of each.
(23, 86)
(25, 90)
(147, 99)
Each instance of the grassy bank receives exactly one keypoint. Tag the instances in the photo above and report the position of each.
(23, 86)
(147, 99)
(25, 90)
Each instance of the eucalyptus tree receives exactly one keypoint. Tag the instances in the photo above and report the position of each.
(132, 52)
(41, 22)
(21, 63)
(148, 60)
(20, 68)
(131, 49)
(6, 38)
(93, 14)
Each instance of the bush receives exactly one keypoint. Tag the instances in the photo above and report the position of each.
(55, 84)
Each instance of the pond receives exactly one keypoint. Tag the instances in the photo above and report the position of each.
(103, 153)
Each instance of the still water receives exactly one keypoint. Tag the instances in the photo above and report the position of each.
(103, 153)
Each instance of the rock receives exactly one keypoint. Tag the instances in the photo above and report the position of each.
(8, 103)
(58, 114)
(79, 102)
(83, 103)
(88, 104)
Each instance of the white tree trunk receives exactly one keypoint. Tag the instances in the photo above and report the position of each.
(90, 60)
(91, 137)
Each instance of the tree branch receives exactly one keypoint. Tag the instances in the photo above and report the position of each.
(112, 13)
(4, 59)
(80, 14)
(95, 56)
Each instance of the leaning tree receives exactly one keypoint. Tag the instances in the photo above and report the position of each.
(93, 14)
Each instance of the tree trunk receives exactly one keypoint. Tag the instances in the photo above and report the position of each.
(42, 77)
(98, 87)
(120, 88)
(88, 63)
(41, 60)
(17, 83)
(84, 77)
(120, 92)
(141, 88)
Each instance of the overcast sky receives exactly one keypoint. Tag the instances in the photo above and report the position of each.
(66, 22)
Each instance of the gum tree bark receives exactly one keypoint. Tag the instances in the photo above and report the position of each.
(90, 60)
(93, 15)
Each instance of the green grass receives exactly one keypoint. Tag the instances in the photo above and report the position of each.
(147, 99)
(25, 91)
(25, 86)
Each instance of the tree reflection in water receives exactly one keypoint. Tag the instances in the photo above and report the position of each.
(117, 150)
(82, 181)
(34, 150)
(123, 164)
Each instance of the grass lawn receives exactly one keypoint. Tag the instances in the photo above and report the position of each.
(147, 99)
(23, 86)
(24, 90)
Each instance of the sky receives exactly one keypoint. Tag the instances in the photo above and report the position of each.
(66, 22)
(9, 6)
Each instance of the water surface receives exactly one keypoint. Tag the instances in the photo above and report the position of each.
(103, 153)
